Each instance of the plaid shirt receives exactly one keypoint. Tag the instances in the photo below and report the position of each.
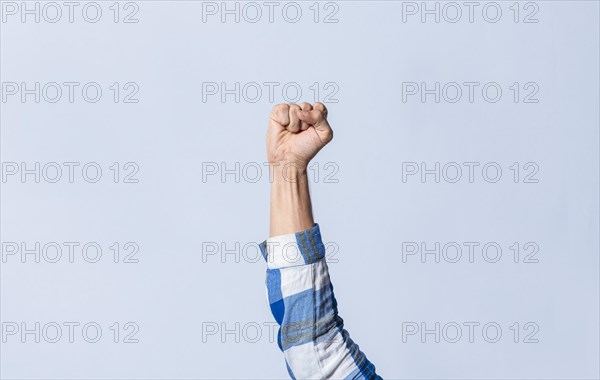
(311, 334)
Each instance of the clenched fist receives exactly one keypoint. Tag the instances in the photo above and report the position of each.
(297, 133)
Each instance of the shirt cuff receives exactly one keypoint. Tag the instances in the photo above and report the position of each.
(291, 250)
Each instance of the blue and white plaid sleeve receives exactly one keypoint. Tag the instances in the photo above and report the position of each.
(311, 334)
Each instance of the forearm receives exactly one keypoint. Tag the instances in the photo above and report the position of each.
(291, 209)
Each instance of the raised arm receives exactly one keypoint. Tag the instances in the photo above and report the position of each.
(311, 335)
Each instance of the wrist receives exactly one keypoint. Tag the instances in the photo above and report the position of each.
(287, 171)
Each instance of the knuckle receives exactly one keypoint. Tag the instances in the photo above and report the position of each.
(306, 106)
(279, 114)
(320, 106)
(280, 107)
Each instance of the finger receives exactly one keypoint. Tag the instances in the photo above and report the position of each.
(280, 115)
(305, 107)
(321, 107)
(316, 118)
(294, 125)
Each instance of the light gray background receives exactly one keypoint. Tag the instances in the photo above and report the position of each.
(368, 213)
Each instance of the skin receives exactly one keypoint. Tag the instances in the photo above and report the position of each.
(295, 135)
